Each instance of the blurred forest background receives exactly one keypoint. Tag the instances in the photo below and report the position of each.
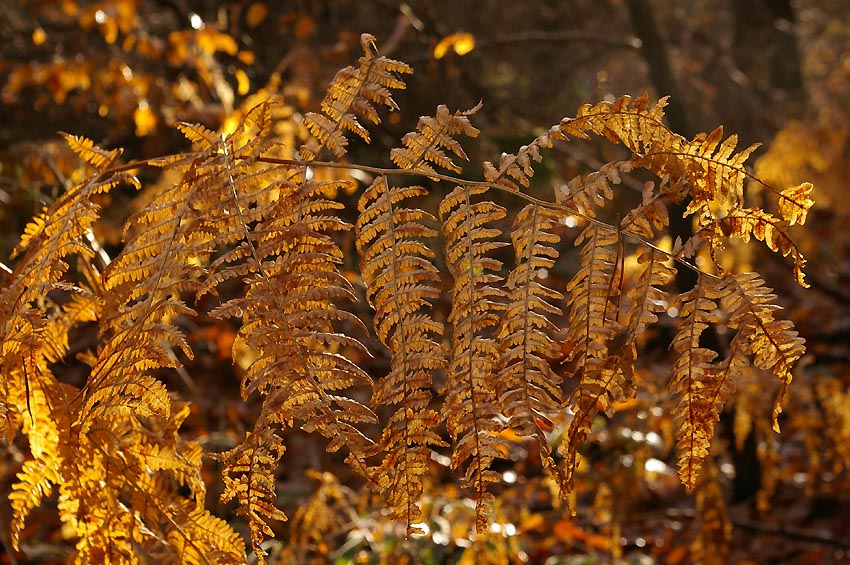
(122, 72)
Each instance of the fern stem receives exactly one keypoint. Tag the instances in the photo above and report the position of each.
(456, 180)
(461, 181)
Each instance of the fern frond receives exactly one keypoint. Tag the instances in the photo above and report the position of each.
(795, 203)
(527, 386)
(774, 344)
(145, 286)
(49, 240)
(646, 297)
(471, 403)
(716, 173)
(100, 159)
(432, 136)
(292, 315)
(249, 477)
(752, 222)
(586, 193)
(196, 537)
(604, 379)
(401, 279)
(650, 216)
(352, 94)
(274, 232)
(632, 122)
(590, 293)
(134, 489)
(47, 427)
(519, 167)
(34, 330)
(702, 388)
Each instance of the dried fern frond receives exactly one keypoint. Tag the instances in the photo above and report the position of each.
(275, 232)
(134, 488)
(46, 424)
(49, 241)
(432, 135)
(34, 330)
(352, 94)
(774, 344)
(471, 403)
(632, 122)
(604, 378)
(714, 172)
(586, 193)
(529, 390)
(702, 389)
(400, 278)
(249, 478)
(646, 297)
(752, 222)
(519, 167)
(795, 203)
(650, 217)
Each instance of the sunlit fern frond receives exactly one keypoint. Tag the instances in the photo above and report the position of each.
(478, 298)
(592, 330)
(700, 386)
(529, 390)
(353, 94)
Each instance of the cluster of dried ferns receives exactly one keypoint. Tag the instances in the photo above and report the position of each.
(129, 485)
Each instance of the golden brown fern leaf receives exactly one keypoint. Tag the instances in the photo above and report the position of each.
(586, 193)
(744, 223)
(400, 278)
(274, 232)
(426, 144)
(49, 240)
(650, 217)
(593, 329)
(249, 477)
(352, 94)
(471, 404)
(529, 390)
(702, 388)
(646, 299)
(34, 330)
(46, 423)
(632, 122)
(774, 344)
(519, 167)
(146, 285)
(714, 172)
(134, 489)
(143, 292)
